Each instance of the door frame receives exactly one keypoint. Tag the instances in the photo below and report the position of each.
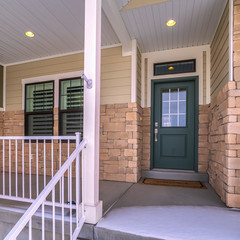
(195, 79)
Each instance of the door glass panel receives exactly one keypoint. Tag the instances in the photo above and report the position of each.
(174, 107)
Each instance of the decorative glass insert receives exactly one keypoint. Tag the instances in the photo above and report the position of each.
(175, 67)
(71, 106)
(39, 109)
(174, 107)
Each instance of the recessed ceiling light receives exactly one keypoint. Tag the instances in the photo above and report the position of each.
(29, 34)
(171, 68)
(171, 23)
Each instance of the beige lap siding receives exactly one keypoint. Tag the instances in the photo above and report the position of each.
(220, 55)
(115, 76)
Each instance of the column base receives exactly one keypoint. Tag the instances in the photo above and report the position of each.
(93, 213)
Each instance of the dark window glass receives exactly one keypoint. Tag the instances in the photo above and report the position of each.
(71, 106)
(39, 109)
(174, 67)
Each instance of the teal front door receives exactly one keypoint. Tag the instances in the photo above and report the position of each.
(173, 129)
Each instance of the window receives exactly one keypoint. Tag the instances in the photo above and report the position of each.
(39, 109)
(174, 107)
(71, 106)
(175, 67)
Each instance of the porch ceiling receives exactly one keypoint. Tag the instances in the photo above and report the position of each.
(196, 22)
(59, 26)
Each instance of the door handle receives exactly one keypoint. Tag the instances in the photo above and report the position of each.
(156, 134)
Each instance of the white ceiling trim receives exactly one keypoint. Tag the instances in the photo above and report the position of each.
(111, 10)
(58, 55)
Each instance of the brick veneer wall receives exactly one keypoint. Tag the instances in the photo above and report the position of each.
(12, 124)
(146, 138)
(203, 130)
(1, 123)
(121, 142)
(224, 144)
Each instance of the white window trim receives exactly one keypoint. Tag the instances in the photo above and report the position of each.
(53, 77)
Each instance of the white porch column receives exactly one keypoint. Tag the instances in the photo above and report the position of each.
(92, 65)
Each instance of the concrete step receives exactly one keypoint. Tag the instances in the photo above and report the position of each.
(10, 216)
(175, 175)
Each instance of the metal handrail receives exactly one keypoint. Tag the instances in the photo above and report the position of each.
(27, 217)
(38, 138)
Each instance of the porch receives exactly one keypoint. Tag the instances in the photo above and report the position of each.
(154, 88)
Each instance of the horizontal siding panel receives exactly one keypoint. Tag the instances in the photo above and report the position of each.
(220, 31)
(115, 91)
(47, 62)
(114, 59)
(224, 43)
(118, 82)
(220, 86)
(219, 55)
(115, 75)
(223, 73)
(221, 62)
(112, 51)
(116, 99)
(116, 67)
(48, 70)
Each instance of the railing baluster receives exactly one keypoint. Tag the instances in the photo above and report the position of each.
(60, 164)
(77, 179)
(52, 157)
(37, 167)
(68, 173)
(69, 166)
(3, 167)
(53, 203)
(23, 183)
(62, 207)
(30, 169)
(71, 201)
(44, 161)
(83, 184)
(9, 174)
(16, 166)
(30, 229)
(43, 222)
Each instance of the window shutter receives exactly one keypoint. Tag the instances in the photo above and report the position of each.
(71, 115)
(39, 115)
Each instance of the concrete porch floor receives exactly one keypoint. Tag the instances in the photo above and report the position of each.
(141, 212)
(137, 212)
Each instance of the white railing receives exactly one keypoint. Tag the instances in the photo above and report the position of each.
(75, 216)
(27, 164)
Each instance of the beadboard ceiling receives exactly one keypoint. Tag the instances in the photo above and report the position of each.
(196, 22)
(59, 26)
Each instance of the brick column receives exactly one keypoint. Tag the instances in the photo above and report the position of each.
(121, 142)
